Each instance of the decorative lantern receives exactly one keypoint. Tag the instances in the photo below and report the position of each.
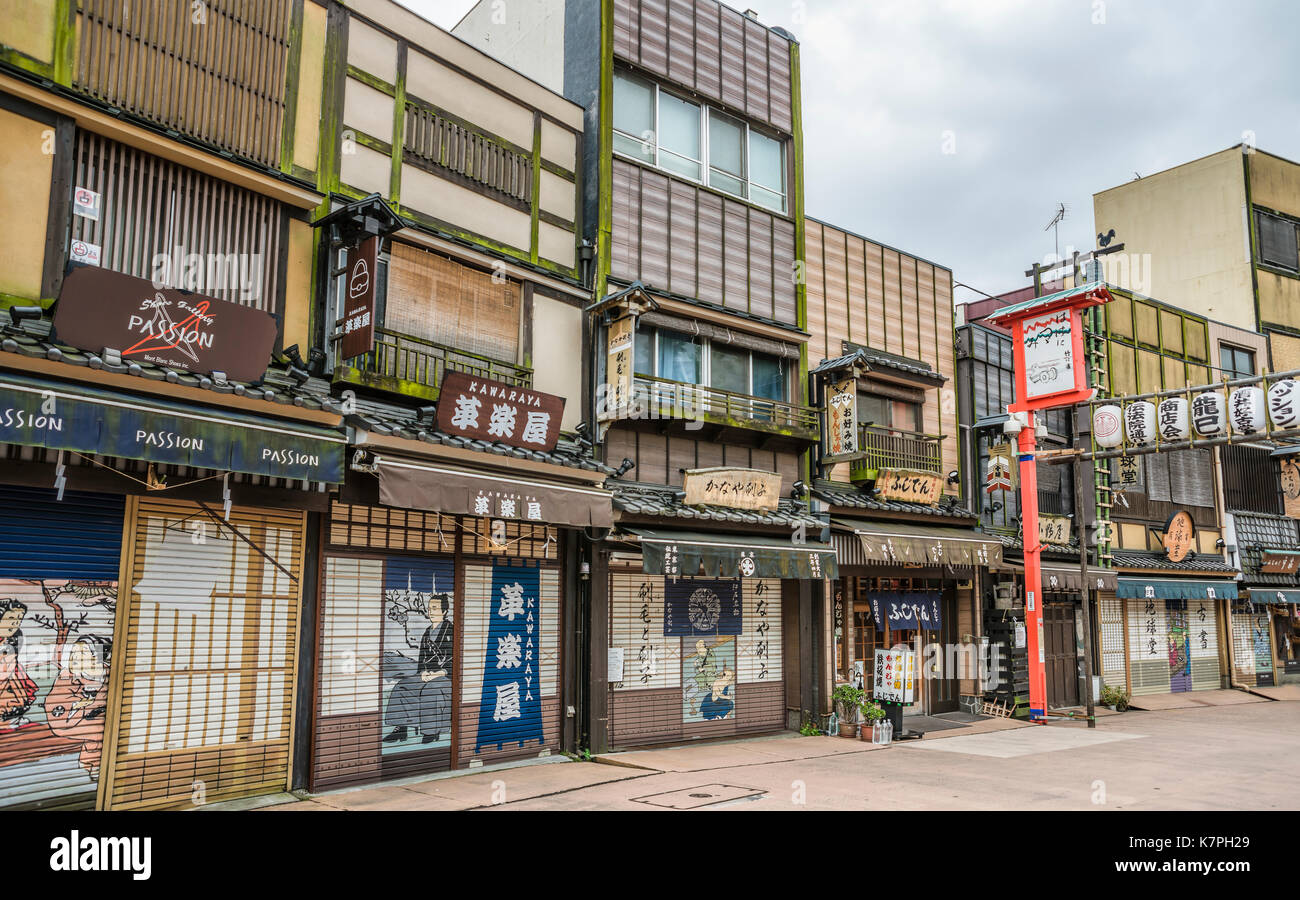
(1140, 422)
(1284, 403)
(1172, 419)
(1108, 426)
(1209, 415)
(1246, 410)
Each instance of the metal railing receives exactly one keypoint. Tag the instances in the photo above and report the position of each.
(661, 398)
(418, 361)
(895, 448)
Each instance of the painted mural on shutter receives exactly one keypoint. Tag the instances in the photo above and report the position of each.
(693, 685)
(1173, 646)
(683, 239)
(208, 659)
(58, 599)
(712, 49)
(1252, 648)
(498, 721)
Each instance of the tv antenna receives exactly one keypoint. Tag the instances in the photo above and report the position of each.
(1062, 211)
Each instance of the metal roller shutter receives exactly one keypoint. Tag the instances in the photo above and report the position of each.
(1252, 647)
(1173, 646)
(510, 716)
(208, 656)
(59, 564)
(1110, 616)
(665, 693)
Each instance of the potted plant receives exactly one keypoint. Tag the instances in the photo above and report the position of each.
(847, 699)
(1116, 698)
(872, 712)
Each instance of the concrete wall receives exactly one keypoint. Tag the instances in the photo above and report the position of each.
(527, 36)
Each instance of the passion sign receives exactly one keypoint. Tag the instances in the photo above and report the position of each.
(100, 308)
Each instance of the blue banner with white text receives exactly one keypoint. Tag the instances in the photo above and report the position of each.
(510, 707)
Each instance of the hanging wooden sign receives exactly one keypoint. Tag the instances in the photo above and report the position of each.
(1054, 530)
(358, 323)
(1000, 475)
(734, 488)
(1279, 562)
(1180, 536)
(491, 411)
(909, 486)
(619, 361)
(841, 421)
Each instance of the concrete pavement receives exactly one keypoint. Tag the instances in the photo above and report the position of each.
(1218, 757)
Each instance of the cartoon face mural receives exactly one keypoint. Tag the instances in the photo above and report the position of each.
(55, 651)
(418, 654)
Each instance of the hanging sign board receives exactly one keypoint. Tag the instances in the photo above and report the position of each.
(909, 486)
(1001, 474)
(492, 411)
(895, 680)
(1049, 354)
(358, 325)
(1279, 562)
(734, 488)
(1053, 530)
(619, 366)
(841, 420)
(86, 203)
(1180, 536)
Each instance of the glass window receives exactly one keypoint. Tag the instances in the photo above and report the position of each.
(906, 415)
(634, 124)
(726, 154)
(679, 357)
(679, 136)
(769, 377)
(1236, 362)
(729, 369)
(873, 410)
(766, 172)
(643, 362)
(1278, 244)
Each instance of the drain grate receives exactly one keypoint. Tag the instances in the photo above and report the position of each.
(700, 796)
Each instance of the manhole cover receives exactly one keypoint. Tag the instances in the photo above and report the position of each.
(700, 796)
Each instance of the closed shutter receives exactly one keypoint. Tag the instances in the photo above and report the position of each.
(1173, 646)
(208, 664)
(1245, 664)
(1191, 478)
(1110, 618)
(484, 656)
(664, 694)
(1203, 641)
(1277, 241)
(58, 595)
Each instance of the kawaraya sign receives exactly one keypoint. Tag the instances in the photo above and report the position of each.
(99, 309)
(734, 488)
(37, 414)
(492, 411)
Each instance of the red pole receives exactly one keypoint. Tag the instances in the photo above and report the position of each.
(1033, 574)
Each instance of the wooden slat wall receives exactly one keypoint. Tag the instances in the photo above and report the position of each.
(150, 206)
(711, 49)
(220, 79)
(685, 240)
(869, 294)
(660, 458)
(434, 141)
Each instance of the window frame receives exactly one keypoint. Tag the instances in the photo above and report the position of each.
(1236, 350)
(706, 366)
(1260, 216)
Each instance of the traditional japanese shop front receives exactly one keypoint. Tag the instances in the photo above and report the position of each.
(1265, 627)
(152, 642)
(446, 610)
(913, 586)
(1172, 632)
(704, 635)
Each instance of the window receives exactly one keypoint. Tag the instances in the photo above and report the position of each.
(1236, 362)
(885, 412)
(1279, 244)
(656, 127)
(675, 356)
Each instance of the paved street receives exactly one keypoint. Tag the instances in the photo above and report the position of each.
(1222, 757)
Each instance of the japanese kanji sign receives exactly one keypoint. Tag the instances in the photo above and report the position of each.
(1180, 536)
(1277, 562)
(698, 606)
(1049, 348)
(895, 680)
(841, 436)
(358, 321)
(492, 411)
(510, 706)
(735, 488)
(1053, 530)
(619, 365)
(909, 486)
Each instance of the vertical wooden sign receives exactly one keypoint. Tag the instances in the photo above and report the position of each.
(359, 299)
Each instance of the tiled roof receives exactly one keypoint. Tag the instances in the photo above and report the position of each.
(1014, 542)
(879, 359)
(1257, 532)
(32, 341)
(1204, 562)
(845, 496)
(404, 422)
(654, 500)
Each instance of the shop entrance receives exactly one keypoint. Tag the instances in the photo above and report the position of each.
(878, 625)
(1061, 656)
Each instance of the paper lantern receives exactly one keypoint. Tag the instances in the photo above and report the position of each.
(1140, 422)
(1108, 426)
(1209, 415)
(1284, 403)
(1246, 410)
(1172, 419)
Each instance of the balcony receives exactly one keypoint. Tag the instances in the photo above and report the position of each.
(894, 448)
(412, 366)
(709, 412)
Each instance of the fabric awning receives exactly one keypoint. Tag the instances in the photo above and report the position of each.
(697, 553)
(1140, 588)
(453, 491)
(1272, 595)
(906, 609)
(89, 420)
(1067, 578)
(900, 544)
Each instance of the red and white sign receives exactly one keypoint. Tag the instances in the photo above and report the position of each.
(85, 203)
(85, 252)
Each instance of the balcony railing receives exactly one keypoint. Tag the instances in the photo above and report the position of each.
(413, 366)
(894, 448)
(659, 398)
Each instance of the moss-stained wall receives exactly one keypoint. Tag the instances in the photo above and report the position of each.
(25, 172)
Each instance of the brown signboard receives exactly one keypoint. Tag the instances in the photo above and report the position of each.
(1053, 530)
(492, 411)
(909, 486)
(1279, 562)
(841, 420)
(734, 488)
(618, 364)
(358, 324)
(100, 308)
(1180, 536)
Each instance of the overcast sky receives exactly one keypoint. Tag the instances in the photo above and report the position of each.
(1041, 101)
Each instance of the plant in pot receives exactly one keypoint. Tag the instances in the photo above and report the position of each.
(1114, 697)
(872, 712)
(847, 699)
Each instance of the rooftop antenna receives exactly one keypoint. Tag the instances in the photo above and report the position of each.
(1061, 212)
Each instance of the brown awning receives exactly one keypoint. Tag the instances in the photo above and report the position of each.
(1068, 578)
(454, 491)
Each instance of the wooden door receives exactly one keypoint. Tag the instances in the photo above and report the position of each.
(1061, 656)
